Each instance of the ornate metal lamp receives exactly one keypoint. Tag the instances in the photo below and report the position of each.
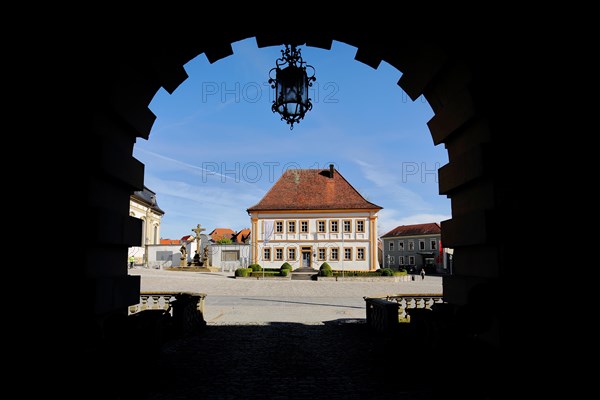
(291, 83)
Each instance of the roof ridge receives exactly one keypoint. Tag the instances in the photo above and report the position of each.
(312, 188)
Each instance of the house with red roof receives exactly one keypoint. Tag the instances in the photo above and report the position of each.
(170, 241)
(221, 233)
(414, 247)
(242, 236)
(312, 216)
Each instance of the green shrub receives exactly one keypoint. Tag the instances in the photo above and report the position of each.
(284, 272)
(264, 273)
(325, 270)
(400, 272)
(387, 272)
(242, 272)
(255, 267)
(325, 266)
(286, 265)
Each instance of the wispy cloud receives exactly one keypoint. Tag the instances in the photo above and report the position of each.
(391, 184)
(391, 218)
(210, 205)
(205, 173)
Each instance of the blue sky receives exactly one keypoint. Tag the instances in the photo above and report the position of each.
(216, 148)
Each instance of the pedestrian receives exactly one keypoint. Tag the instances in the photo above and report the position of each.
(422, 273)
(131, 261)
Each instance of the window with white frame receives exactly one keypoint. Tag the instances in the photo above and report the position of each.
(392, 261)
(333, 225)
(360, 226)
(321, 253)
(411, 245)
(401, 260)
(321, 226)
(421, 245)
(401, 245)
(411, 260)
(291, 253)
(391, 246)
(360, 253)
(279, 226)
(291, 227)
(433, 244)
(267, 254)
(347, 226)
(348, 253)
(279, 254)
(334, 254)
(304, 226)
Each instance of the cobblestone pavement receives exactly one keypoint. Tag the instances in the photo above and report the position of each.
(249, 301)
(338, 360)
(326, 353)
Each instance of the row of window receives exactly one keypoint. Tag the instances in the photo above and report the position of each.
(392, 260)
(321, 226)
(333, 253)
(411, 245)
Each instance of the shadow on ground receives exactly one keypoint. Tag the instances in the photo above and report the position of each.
(341, 359)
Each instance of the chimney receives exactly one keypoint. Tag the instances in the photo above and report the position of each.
(331, 171)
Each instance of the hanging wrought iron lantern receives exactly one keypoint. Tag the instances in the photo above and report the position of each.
(291, 83)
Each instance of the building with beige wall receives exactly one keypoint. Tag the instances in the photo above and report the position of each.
(312, 216)
(143, 205)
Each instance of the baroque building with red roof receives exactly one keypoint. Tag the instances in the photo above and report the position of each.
(312, 216)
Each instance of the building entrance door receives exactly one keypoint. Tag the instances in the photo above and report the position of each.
(306, 259)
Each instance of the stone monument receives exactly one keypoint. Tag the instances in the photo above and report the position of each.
(183, 258)
(200, 260)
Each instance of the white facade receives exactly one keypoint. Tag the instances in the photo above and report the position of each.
(151, 216)
(229, 257)
(165, 255)
(346, 240)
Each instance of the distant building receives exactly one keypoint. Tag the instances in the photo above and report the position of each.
(413, 247)
(242, 236)
(221, 233)
(143, 205)
(312, 216)
(170, 241)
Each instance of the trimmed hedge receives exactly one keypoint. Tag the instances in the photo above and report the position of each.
(284, 272)
(255, 267)
(265, 273)
(325, 270)
(286, 265)
(242, 272)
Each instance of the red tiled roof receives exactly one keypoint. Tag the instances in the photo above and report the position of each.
(220, 233)
(413, 230)
(187, 238)
(169, 241)
(241, 235)
(312, 189)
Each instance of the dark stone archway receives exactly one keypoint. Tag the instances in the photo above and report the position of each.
(456, 77)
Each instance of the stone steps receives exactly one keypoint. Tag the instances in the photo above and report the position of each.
(303, 274)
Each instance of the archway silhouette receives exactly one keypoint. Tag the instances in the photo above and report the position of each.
(457, 84)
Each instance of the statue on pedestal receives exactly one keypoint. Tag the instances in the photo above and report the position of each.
(205, 257)
(183, 258)
(196, 260)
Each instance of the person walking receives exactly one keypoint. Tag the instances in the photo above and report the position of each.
(131, 261)
(422, 273)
